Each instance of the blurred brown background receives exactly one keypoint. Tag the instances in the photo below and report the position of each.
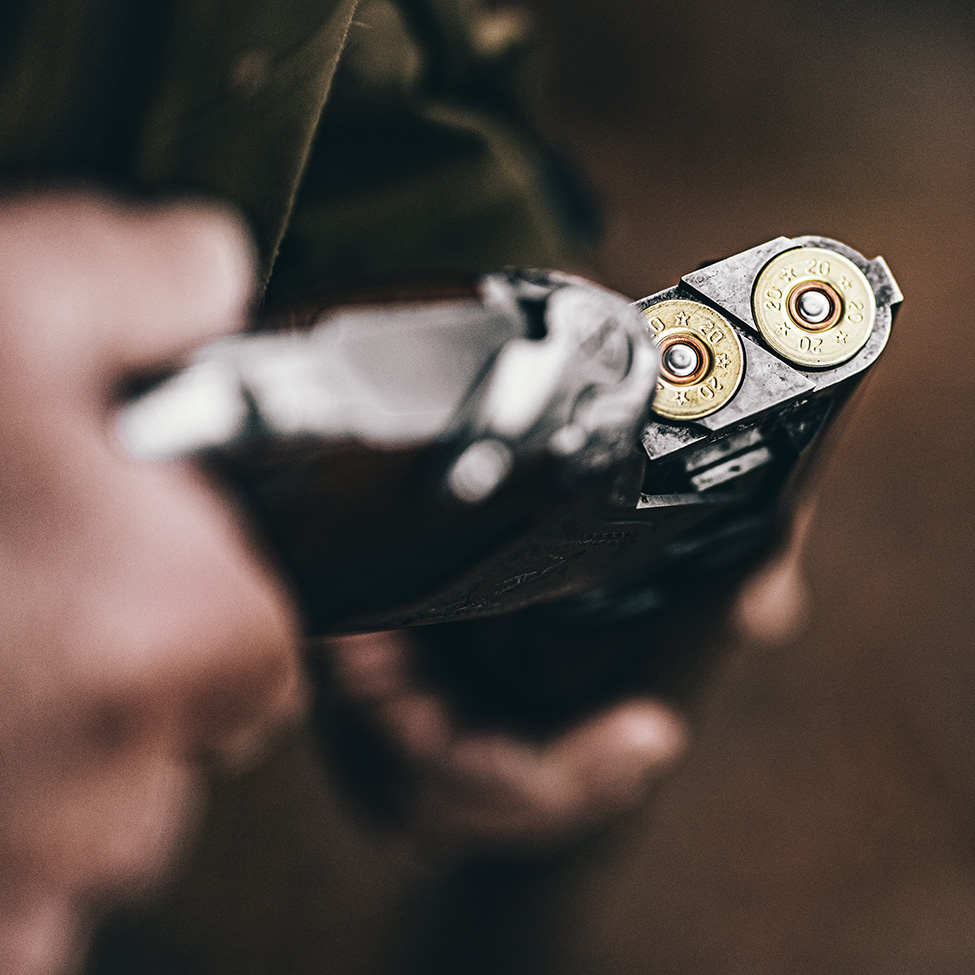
(824, 822)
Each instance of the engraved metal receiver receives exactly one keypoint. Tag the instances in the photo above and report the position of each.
(431, 462)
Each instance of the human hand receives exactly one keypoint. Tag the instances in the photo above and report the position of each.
(470, 790)
(140, 636)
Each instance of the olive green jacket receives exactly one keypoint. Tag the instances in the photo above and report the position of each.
(363, 140)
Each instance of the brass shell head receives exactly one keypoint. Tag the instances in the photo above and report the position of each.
(813, 306)
(711, 357)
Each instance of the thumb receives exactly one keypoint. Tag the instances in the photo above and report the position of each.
(610, 759)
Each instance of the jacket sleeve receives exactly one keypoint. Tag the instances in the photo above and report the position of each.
(425, 163)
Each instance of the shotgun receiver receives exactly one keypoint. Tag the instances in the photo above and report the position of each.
(539, 443)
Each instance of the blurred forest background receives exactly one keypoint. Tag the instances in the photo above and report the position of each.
(824, 822)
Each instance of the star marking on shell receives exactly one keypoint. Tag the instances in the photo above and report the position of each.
(723, 359)
(845, 283)
(680, 320)
(840, 337)
(788, 274)
(680, 396)
(783, 328)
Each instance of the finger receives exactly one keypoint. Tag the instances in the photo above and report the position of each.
(772, 607)
(617, 744)
(371, 667)
(194, 266)
(113, 829)
(614, 754)
(499, 790)
(418, 725)
(123, 287)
